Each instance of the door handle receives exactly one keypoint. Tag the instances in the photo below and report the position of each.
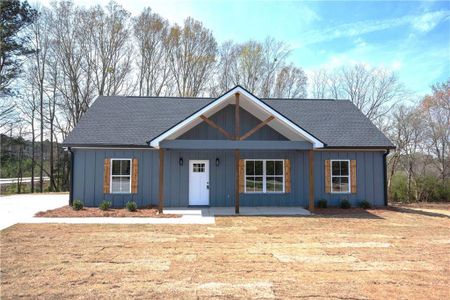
(207, 185)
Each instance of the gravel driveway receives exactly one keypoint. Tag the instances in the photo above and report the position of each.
(19, 208)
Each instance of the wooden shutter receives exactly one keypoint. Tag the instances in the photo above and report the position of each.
(353, 175)
(134, 176)
(241, 175)
(327, 176)
(287, 176)
(106, 176)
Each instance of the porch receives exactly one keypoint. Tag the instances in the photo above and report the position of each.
(244, 211)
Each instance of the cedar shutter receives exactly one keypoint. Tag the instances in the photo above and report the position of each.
(353, 175)
(134, 177)
(106, 176)
(287, 176)
(241, 175)
(327, 176)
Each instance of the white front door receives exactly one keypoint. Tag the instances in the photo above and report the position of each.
(198, 182)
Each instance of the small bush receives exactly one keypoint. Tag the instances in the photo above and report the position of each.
(322, 203)
(131, 206)
(345, 204)
(77, 205)
(365, 204)
(105, 205)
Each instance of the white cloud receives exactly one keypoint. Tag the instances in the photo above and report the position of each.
(421, 23)
(428, 21)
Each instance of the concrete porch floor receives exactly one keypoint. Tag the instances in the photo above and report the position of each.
(244, 211)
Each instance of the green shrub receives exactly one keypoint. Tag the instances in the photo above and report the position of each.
(77, 205)
(105, 205)
(322, 203)
(365, 204)
(345, 204)
(131, 206)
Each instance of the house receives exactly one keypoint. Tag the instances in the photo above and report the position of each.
(234, 150)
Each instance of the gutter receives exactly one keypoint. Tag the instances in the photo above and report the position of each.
(385, 177)
(72, 160)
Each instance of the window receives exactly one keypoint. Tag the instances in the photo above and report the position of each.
(340, 176)
(121, 176)
(198, 168)
(264, 176)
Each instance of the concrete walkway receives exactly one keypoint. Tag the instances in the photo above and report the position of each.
(188, 216)
(22, 208)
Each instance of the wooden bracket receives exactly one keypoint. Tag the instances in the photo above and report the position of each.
(256, 128)
(216, 126)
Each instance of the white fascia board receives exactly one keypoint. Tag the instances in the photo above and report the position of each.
(316, 143)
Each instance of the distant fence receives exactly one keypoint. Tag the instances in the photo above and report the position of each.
(4, 181)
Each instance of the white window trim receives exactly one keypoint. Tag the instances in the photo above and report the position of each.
(111, 175)
(331, 176)
(264, 176)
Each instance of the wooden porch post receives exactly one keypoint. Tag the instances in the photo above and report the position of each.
(311, 179)
(237, 154)
(161, 180)
(237, 157)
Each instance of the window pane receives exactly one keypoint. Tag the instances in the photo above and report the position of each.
(344, 184)
(270, 184)
(115, 185)
(274, 184)
(125, 184)
(278, 167)
(116, 167)
(335, 168)
(335, 184)
(270, 167)
(344, 168)
(250, 167)
(258, 184)
(278, 184)
(250, 184)
(259, 167)
(126, 166)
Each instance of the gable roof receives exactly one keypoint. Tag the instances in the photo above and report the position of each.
(121, 121)
(257, 105)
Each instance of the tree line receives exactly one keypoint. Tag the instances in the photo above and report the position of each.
(55, 60)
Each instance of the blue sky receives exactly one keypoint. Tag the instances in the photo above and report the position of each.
(412, 38)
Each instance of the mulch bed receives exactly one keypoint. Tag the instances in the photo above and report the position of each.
(68, 212)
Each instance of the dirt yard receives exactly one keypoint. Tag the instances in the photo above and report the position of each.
(382, 254)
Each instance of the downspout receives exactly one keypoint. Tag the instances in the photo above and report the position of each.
(72, 154)
(385, 177)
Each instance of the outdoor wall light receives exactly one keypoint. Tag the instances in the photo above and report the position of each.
(180, 162)
(217, 162)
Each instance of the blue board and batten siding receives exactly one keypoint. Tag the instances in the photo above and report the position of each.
(89, 172)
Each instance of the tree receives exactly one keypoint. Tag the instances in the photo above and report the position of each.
(436, 112)
(151, 33)
(15, 16)
(290, 83)
(109, 48)
(192, 57)
(373, 90)
(73, 53)
(40, 41)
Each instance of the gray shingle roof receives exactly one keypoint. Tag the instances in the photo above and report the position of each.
(132, 121)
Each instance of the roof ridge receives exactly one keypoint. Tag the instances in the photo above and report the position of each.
(165, 97)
